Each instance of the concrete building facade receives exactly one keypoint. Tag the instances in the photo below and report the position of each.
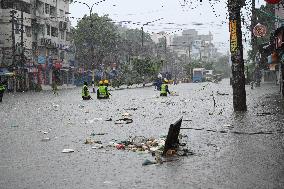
(48, 51)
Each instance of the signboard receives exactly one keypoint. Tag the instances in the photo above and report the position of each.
(233, 36)
(259, 30)
(278, 40)
(41, 59)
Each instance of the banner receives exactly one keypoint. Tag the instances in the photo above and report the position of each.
(233, 36)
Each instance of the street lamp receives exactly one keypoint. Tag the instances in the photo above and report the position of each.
(90, 7)
(142, 29)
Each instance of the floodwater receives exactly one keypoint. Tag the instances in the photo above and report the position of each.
(231, 150)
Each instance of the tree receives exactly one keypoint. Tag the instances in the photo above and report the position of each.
(264, 18)
(95, 38)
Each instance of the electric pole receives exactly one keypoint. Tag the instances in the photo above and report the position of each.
(22, 40)
(142, 36)
(13, 18)
(236, 48)
(253, 23)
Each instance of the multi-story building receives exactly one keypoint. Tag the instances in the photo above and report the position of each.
(48, 52)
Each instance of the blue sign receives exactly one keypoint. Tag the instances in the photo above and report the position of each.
(41, 59)
(269, 59)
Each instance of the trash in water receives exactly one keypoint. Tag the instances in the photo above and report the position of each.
(134, 109)
(81, 106)
(126, 119)
(174, 94)
(263, 114)
(94, 134)
(14, 125)
(55, 105)
(44, 132)
(120, 147)
(91, 141)
(95, 119)
(148, 162)
(97, 146)
(222, 94)
(45, 139)
(67, 150)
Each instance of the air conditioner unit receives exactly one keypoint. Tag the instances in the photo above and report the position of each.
(61, 25)
(64, 25)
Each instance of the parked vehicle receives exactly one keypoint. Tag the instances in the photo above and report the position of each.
(198, 75)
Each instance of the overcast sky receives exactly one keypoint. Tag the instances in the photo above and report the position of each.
(204, 17)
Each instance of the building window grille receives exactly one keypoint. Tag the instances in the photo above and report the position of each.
(47, 8)
(62, 35)
(53, 11)
(54, 32)
(28, 31)
(48, 30)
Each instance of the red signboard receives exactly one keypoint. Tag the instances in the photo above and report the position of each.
(279, 39)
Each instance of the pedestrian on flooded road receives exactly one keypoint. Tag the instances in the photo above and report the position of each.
(85, 92)
(165, 88)
(54, 88)
(102, 92)
(2, 90)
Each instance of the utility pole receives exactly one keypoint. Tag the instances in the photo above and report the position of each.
(166, 53)
(13, 18)
(236, 48)
(253, 23)
(22, 39)
(142, 36)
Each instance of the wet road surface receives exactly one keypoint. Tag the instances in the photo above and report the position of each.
(231, 150)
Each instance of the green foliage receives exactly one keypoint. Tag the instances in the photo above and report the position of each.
(221, 66)
(95, 38)
(267, 21)
(146, 67)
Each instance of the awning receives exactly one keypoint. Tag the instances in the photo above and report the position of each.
(5, 72)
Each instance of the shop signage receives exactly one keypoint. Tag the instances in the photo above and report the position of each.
(233, 36)
(259, 30)
(279, 39)
(41, 59)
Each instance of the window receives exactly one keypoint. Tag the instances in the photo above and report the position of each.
(53, 11)
(68, 36)
(47, 29)
(61, 12)
(62, 55)
(40, 7)
(17, 28)
(62, 35)
(28, 31)
(47, 8)
(54, 32)
(6, 4)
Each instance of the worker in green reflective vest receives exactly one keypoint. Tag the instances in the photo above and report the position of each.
(165, 88)
(85, 92)
(2, 90)
(102, 92)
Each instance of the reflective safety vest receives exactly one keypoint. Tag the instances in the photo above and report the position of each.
(163, 89)
(2, 88)
(103, 91)
(85, 94)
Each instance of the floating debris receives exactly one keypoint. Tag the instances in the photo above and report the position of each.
(263, 114)
(94, 134)
(222, 94)
(67, 150)
(45, 139)
(97, 146)
(95, 119)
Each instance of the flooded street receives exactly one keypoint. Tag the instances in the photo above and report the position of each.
(231, 150)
